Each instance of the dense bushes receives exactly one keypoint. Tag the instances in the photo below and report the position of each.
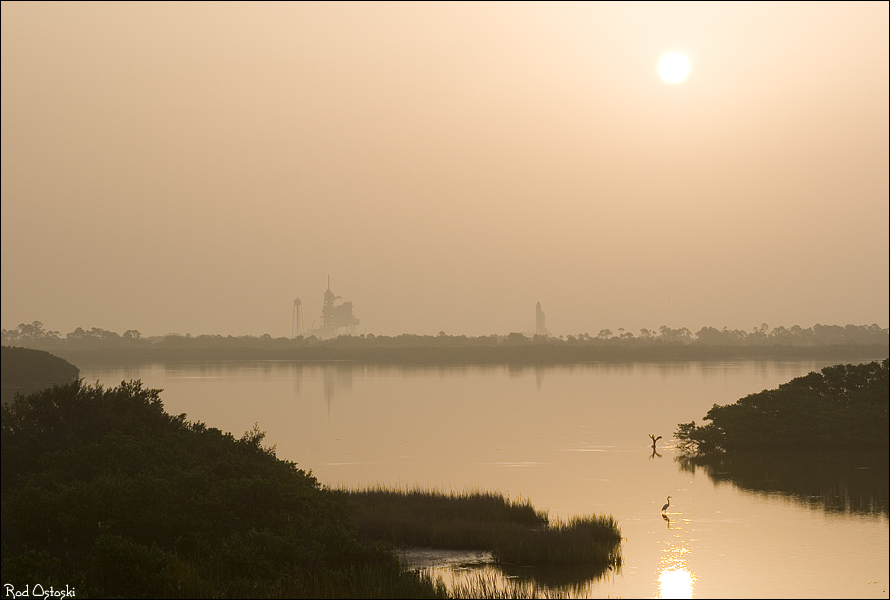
(842, 406)
(26, 370)
(105, 492)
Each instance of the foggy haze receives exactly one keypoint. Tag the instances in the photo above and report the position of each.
(194, 167)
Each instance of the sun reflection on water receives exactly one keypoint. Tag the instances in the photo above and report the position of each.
(675, 580)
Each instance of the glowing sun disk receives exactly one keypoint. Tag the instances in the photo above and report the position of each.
(673, 67)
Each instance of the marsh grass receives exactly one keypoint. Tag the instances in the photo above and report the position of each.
(487, 585)
(419, 517)
(513, 531)
(586, 540)
(369, 581)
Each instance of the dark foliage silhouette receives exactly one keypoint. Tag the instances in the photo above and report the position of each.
(102, 490)
(841, 406)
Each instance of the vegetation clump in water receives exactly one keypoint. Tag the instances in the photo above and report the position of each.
(514, 532)
(841, 406)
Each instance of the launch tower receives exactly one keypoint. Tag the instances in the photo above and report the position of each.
(540, 327)
(334, 316)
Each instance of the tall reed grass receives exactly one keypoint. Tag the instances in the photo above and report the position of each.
(585, 540)
(489, 586)
(513, 531)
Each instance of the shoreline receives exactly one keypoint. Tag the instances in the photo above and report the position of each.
(531, 354)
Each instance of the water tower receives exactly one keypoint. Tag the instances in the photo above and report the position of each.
(297, 327)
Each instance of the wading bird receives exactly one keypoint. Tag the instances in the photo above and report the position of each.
(665, 507)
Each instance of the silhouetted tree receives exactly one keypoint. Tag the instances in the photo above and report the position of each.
(843, 405)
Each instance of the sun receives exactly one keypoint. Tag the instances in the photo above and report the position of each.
(673, 67)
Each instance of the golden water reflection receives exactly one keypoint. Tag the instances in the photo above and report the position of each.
(675, 580)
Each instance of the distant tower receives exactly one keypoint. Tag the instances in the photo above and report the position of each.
(540, 327)
(327, 309)
(297, 327)
(335, 316)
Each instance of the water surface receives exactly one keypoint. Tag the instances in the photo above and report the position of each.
(573, 439)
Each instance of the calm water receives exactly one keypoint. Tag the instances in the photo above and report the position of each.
(573, 440)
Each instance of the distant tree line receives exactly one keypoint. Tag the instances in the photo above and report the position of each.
(817, 335)
(664, 342)
(27, 334)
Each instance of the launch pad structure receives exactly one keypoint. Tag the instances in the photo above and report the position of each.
(334, 316)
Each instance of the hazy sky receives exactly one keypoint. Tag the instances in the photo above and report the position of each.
(193, 168)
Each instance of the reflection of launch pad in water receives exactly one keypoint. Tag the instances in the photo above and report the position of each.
(334, 316)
